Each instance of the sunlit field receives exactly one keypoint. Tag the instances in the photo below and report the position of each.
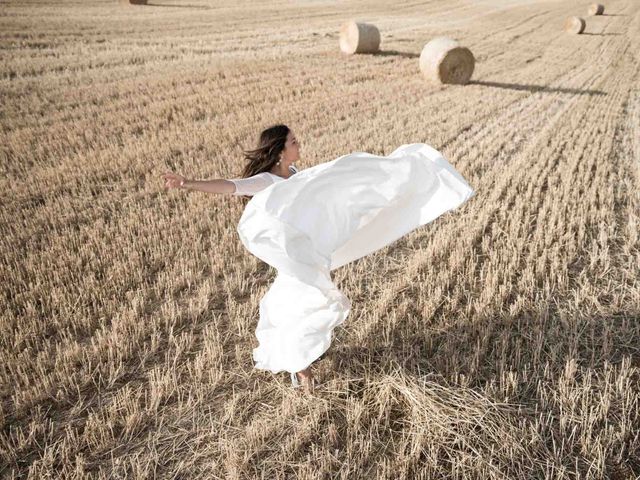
(500, 341)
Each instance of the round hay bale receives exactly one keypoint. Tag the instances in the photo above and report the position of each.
(596, 9)
(359, 38)
(574, 25)
(443, 60)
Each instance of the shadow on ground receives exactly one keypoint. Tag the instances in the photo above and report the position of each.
(395, 53)
(602, 34)
(197, 7)
(536, 88)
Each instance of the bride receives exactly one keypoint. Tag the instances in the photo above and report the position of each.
(322, 218)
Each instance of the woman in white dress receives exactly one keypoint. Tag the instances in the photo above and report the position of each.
(320, 219)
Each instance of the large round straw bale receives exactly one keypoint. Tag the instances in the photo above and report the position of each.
(596, 9)
(359, 38)
(444, 60)
(574, 25)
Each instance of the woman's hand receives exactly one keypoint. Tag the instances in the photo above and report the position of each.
(218, 185)
(173, 180)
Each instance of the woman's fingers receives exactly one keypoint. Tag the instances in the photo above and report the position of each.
(168, 177)
(172, 180)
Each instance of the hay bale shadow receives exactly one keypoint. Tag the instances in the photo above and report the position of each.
(395, 53)
(197, 7)
(536, 88)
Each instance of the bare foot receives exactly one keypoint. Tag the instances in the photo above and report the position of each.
(305, 377)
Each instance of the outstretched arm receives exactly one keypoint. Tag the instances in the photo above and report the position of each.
(218, 185)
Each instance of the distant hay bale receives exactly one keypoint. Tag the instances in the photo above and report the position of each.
(359, 38)
(596, 9)
(574, 25)
(134, 2)
(444, 60)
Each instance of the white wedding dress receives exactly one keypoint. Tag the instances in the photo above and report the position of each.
(324, 217)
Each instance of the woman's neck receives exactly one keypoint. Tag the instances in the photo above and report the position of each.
(282, 174)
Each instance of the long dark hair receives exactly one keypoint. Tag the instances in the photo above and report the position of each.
(266, 154)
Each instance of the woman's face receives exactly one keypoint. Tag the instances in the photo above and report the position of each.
(291, 152)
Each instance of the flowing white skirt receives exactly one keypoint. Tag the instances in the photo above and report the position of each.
(324, 217)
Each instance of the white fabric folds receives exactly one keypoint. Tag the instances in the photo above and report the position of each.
(324, 217)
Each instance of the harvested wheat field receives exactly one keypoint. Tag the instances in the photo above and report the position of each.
(500, 341)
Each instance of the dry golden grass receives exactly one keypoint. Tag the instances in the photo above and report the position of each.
(499, 342)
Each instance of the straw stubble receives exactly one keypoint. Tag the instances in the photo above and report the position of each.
(498, 342)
